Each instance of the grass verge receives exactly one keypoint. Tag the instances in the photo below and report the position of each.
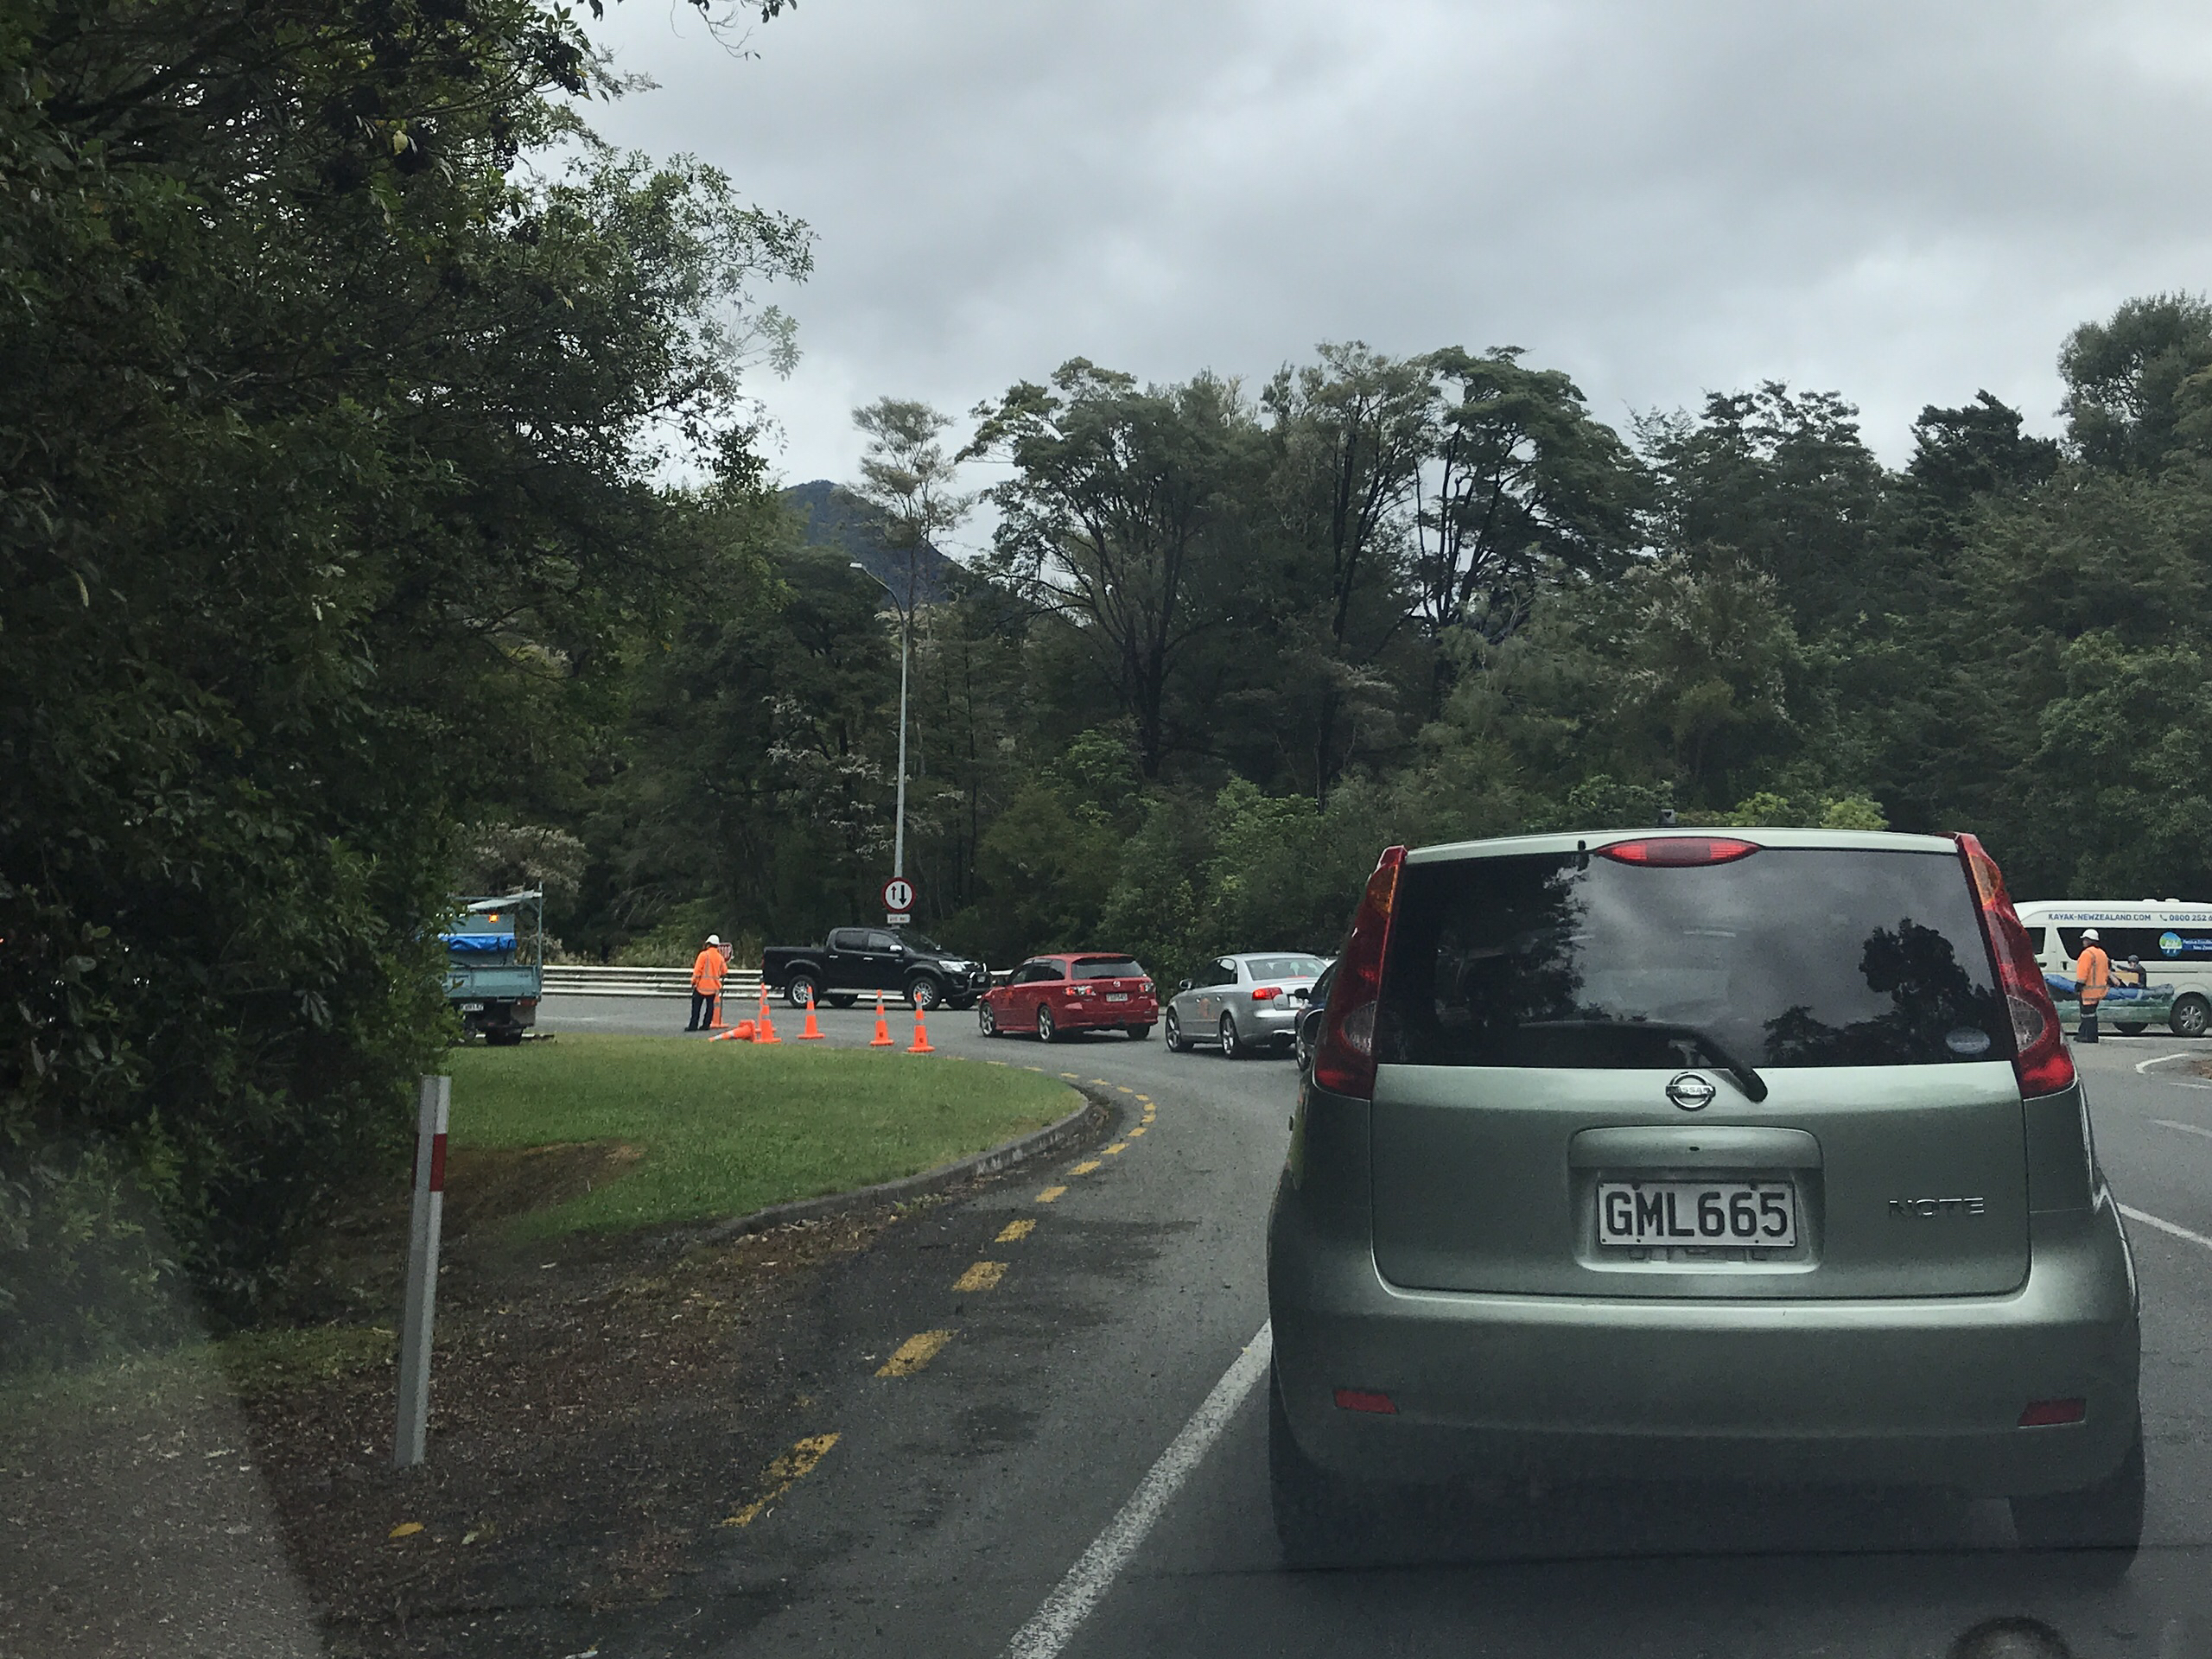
(727, 1129)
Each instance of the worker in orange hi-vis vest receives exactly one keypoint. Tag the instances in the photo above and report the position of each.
(707, 970)
(2093, 974)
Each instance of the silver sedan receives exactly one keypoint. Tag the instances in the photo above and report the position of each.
(1248, 1003)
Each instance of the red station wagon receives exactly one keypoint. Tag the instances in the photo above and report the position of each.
(1083, 991)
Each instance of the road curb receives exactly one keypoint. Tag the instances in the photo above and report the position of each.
(1097, 1108)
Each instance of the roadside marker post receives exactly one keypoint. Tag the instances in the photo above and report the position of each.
(434, 1108)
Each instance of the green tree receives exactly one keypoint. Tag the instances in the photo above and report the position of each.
(327, 523)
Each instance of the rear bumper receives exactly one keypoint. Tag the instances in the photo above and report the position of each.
(1924, 1392)
(1106, 1016)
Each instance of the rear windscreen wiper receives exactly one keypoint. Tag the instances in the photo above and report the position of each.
(1746, 1076)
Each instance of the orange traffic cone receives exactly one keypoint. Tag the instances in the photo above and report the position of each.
(716, 1024)
(882, 1037)
(765, 1030)
(921, 1043)
(740, 1032)
(813, 1032)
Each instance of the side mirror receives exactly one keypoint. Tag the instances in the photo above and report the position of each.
(1185, 986)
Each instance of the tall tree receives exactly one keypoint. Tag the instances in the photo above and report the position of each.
(1522, 484)
(2134, 382)
(1122, 520)
(1349, 436)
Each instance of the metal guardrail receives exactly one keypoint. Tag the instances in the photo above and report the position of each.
(585, 979)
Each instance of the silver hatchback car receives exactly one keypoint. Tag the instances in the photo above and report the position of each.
(1754, 1157)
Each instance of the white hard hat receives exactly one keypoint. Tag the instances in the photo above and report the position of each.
(2088, 933)
(716, 938)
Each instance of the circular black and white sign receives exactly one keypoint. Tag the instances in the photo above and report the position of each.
(899, 893)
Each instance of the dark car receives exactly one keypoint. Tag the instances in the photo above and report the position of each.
(1082, 990)
(855, 962)
(1309, 1019)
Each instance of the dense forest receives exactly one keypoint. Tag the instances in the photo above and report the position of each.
(383, 512)
(1226, 646)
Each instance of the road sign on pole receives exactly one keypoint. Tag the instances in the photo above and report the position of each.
(898, 896)
(433, 1107)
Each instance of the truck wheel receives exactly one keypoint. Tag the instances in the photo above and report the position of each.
(2134, 1028)
(923, 993)
(802, 990)
(503, 1037)
(841, 999)
(2192, 1014)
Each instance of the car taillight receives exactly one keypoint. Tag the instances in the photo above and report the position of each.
(1344, 1059)
(2040, 1060)
(1675, 852)
(1265, 993)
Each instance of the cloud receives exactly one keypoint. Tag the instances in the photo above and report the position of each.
(1901, 202)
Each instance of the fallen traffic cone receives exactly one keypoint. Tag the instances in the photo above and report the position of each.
(765, 1030)
(921, 1043)
(813, 1032)
(740, 1032)
(882, 1037)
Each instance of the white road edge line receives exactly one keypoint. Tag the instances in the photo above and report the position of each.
(2142, 1067)
(2186, 1129)
(2150, 1220)
(1052, 1625)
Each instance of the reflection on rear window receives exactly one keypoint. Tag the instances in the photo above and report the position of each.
(1284, 967)
(1108, 967)
(1787, 958)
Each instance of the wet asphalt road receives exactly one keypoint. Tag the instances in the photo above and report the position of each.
(956, 1498)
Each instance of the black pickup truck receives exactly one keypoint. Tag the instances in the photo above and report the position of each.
(857, 962)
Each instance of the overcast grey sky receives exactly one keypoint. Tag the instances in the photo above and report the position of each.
(1902, 202)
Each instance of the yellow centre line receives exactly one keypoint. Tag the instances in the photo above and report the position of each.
(984, 1276)
(914, 1353)
(1101, 1082)
(1125, 1088)
(782, 1475)
(1137, 1131)
(1070, 1075)
(1015, 1230)
(1085, 1167)
(1050, 1193)
(1119, 1146)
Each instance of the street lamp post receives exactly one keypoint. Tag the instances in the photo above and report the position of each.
(906, 634)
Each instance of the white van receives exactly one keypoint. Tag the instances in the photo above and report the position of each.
(2171, 939)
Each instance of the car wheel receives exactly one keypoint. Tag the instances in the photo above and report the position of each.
(2105, 1522)
(1232, 1047)
(1177, 1042)
(1318, 1518)
(841, 999)
(1140, 1033)
(922, 991)
(2134, 1028)
(1045, 1033)
(2192, 1014)
(801, 991)
(986, 1021)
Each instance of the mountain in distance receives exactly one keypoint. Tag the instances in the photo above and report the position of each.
(833, 517)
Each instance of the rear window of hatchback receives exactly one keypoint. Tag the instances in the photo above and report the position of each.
(1795, 956)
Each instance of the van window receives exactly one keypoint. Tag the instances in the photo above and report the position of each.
(2153, 944)
(1790, 957)
(2037, 938)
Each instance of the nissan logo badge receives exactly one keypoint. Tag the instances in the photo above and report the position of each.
(1691, 1092)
